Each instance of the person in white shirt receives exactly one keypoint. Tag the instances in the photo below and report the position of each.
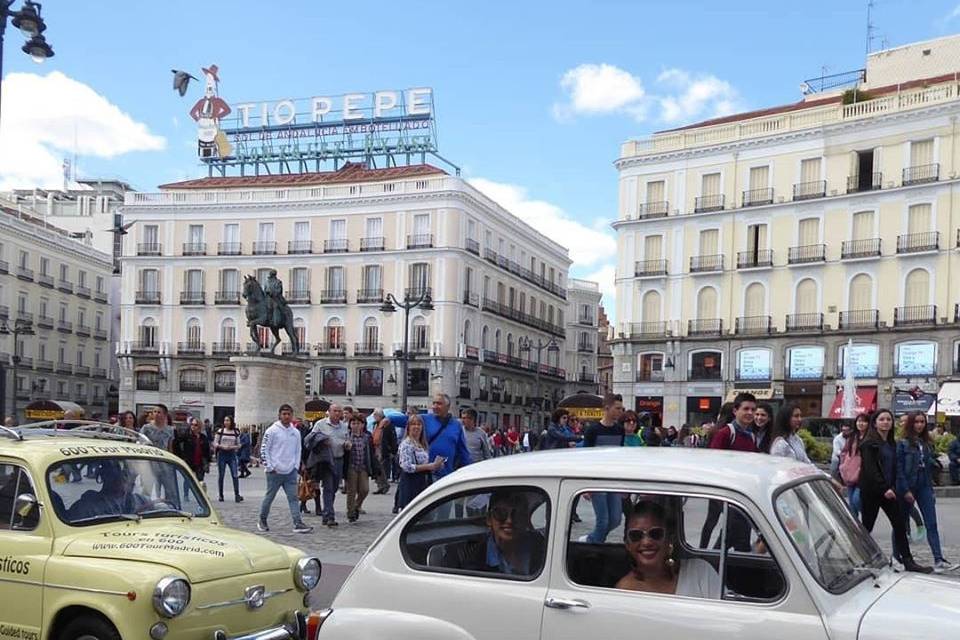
(786, 442)
(839, 442)
(280, 455)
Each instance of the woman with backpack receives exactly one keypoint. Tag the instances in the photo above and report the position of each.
(878, 484)
(226, 446)
(915, 457)
(850, 463)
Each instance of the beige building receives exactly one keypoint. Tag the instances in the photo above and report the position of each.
(580, 357)
(340, 242)
(59, 288)
(753, 248)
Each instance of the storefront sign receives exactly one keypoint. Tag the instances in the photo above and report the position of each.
(864, 359)
(916, 359)
(805, 363)
(754, 364)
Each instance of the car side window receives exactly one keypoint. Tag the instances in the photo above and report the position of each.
(683, 545)
(14, 482)
(499, 532)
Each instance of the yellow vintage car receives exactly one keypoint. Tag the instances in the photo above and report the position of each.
(103, 537)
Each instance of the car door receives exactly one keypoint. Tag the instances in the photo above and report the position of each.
(582, 601)
(24, 549)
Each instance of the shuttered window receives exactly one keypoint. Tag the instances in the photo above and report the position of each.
(709, 242)
(921, 152)
(917, 288)
(710, 184)
(754, 298)
(653, 247)
(863, 225)
(707, 303)
(756, 237)
(810, 170)
(656, 191)
(861, 293)
(806, 301)
(918, 218)
(759, 177)
(651, 306)
(809, 231)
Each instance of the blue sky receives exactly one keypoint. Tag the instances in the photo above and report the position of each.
(533, 98)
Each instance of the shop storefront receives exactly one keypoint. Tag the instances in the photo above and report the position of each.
(702, 408)
(866, 402)
(652, 406)
(806, 395)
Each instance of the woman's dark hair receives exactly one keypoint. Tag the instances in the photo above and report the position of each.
(123, 418)
(909, 432)
(631, 416)
(725, 416)
(873, 434)
(765, 406)
(233, 425)
(656, 511)
(781, 426)
(557, 414)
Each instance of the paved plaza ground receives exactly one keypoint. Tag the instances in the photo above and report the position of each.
(340, 548)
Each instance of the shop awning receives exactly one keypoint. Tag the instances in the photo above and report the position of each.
(52, 409)
(866, 402)
(948, 400)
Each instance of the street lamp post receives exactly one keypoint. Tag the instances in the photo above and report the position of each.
(526, 345)
(31, 25)
(424, 302)
(20, 328)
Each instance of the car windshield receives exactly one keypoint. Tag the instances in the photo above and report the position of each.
(836, 549)
(94, 490)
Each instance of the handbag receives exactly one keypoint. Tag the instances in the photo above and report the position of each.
(304, 489)
(850, 464)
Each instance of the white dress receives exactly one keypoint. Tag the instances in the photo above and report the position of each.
(791, 447)
(698, 579)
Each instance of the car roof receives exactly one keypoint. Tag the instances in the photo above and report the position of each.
(41, 450)
(754, 474)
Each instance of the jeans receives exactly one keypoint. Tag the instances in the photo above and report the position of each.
(607, 509)
(871, 504)
(224, 460)
(276, 481)
(926, 502)
(332, 476)
(853, 500)
(955, 472)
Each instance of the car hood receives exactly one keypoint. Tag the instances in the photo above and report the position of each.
(915, 607)
(201, 552)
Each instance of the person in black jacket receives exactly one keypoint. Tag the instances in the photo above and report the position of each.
(388, 453)
(878, 482)
(193, 447)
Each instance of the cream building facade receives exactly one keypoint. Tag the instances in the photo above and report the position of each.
(580, 357)
(754, 249)
(340, 241)
(59, 288)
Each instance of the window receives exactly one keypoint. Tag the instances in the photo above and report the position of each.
(334, 334)
(709, 242)
(299, 281)
(650, 366)
(420, 336)
(64, 272)
(333, 381)
(265, 232)
(193, 380)
(228, 332)
(335, 281)
(805, 363)
(863, 225)
(916, 358)
(195, 234)
(460, 534)
(150, 281)
(810, 170)
(706, 365)
(229, 281)
(717, 550)
(193, 332)
(808, 231)
(861, 293)
(338, 229)
(710, 184)
(148, 333)
(231, 233)
(150, 235)
(371, 332)
(754, 300)
(919, 217)
(707, 303)
(193, 281)
(864, 360)
(372, 278)
(754, 364)
(301, 231)
(421, 224)
(656, 191)
(147, 380)
(916, 288)
(99, 282)
(369, 382)
(44, 266)
(921, 152)
(806, 300)
(419, 277)
(374, 228)
(24, 260)
(418, 382)
(225, 380)
(651, 306)
(759, 177)
(15, 482)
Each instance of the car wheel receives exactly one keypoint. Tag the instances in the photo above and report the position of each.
(88, 627)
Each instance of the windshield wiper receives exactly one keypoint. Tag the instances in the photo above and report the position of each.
(107, 517)
(841, 578)
(158, 512)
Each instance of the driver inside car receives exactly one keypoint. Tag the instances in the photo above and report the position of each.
(115, 496)
(511, 546)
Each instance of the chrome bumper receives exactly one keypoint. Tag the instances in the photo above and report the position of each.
(297, 630)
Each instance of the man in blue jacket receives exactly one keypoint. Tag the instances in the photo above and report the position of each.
(954, 454)
(445, 437)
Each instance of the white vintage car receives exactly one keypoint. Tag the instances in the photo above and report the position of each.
(760, 547)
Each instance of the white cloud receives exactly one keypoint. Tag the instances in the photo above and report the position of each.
(953, 15)
(600, 89)
(588, 246)
(46, 118)
(695, 96)
(605, 276)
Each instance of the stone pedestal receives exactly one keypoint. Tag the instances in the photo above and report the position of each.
(263, 383)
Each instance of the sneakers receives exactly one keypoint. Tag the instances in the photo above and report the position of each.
(238, 498)
(584, 538)
(332, 523)
(943, 566)
(302, 527)
(920, 534)
(262, 525)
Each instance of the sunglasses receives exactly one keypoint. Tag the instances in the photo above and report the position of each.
(654, 533)
(502, 514)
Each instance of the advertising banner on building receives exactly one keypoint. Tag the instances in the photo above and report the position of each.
(864, 358)
(914, 399)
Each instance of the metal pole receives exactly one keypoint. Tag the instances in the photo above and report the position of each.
(539, 412)
(16, 361)
(404, 355)
(4, 12)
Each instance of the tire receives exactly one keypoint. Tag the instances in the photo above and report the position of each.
(88, 627)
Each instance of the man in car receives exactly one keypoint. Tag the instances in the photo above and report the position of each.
(115, 496)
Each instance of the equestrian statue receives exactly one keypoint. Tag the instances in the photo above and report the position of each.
(266, 307)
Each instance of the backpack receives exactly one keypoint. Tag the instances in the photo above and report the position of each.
(850, 464)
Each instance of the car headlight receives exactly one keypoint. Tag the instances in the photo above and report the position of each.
(306, 573)
(171, 596)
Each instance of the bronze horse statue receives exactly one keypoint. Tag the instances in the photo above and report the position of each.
(264, 311)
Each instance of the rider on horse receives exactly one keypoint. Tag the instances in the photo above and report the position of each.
(275, 300)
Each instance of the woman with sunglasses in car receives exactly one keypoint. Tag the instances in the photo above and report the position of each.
(655, 567)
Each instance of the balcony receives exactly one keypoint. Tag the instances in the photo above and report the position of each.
(809, 190)
(367, 349)
(473, 246)
(866, 182)
(916, 316)
(265, 248)
(24, 316)
(761, 258)
(193, 297)
(701, 373)
(229, 248)
(806, 254)
(45, 322)
(195, 386)
(44, 365)
(225, 348)
(584, 377)
(100, 296)
(649, 374)
(287, 349)
(472, 299)
(98, 372)
(866, 248)
(4, 312)
(226, 297)
(420, 349)
(502, 261)
(372, 244)
(336, 245)
(191, 348)
(516, 315)
(65, 285)
(149, 249)
(83, 292)
(333, 296)
(706, 204)
(299, 247)
(705, 264)
(81, 370)
(753, 325)
(758, 197)
(147, 297)
(148, 381)
(194, 248)
(145, 346)
(651, 210)
(586, 347)
(83, 330)
(804, 322)
(224, 386)
(4, 266)
(860, 319)
(705, 327)
(414, 293)
(647, 330)
(650, 268)
(918, 242)
(586, 320)
(64, 326)
(99, 334)
(921, 174)
(64, 369)
(369, 296)
(45, 280)
(420, 241)
(25, 273)
(332, 350)
(299, 296)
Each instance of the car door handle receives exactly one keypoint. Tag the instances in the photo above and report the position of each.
(564, 603)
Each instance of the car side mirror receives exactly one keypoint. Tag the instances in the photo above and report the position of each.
(25, 505)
